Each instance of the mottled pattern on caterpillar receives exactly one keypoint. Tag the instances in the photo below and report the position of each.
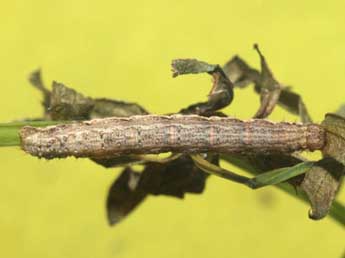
(148, 134)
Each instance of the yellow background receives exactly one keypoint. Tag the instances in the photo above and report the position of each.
(122, 50)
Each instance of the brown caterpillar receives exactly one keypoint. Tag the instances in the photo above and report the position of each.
(148, 134)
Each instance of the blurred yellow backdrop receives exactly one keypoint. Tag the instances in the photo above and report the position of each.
(122, 50)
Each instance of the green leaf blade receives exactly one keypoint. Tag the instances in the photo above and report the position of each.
(280, 175)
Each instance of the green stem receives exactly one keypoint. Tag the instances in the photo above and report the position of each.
(9, 132)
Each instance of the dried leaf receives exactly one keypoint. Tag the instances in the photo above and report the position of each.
(321, 184)
(221, 94)
(268, 101)
(124, 196)
(293, 102)
(67, 104)
(240, 73)
(335, 144)
(35, 79)
(189, 66)
(64, 103)
(107, 108)
(174, 179)
(270, 88)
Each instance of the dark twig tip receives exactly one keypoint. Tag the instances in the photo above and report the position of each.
(35, 76)
(256, 47)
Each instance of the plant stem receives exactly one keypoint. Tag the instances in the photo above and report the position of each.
(9, 132)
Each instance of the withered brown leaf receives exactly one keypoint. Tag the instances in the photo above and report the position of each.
(174, 178)
(270, 88)
(221, 94)
(108, 107)
(321, 184)
(35, 78)
(64, 103)
(335, 145)
(293, 102)
(241, 74)
(68, 104)
(124, 196)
